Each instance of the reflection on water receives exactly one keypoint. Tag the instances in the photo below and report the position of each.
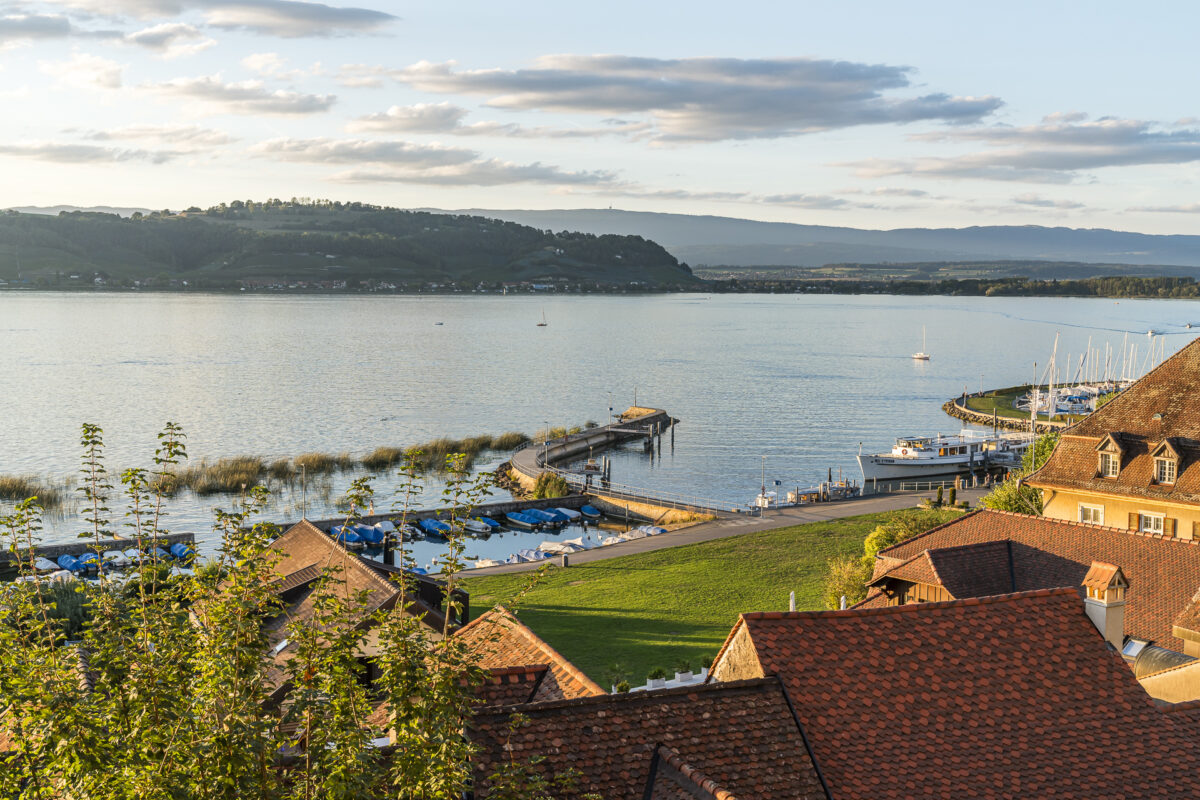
(799, 379)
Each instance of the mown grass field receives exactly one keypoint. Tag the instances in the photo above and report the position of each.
(1002, 403)
(652, 609)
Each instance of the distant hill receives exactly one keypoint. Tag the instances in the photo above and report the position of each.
(711, 240)
(322, 245)
(56, 210)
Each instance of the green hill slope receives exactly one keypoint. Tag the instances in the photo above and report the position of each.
(318, 245)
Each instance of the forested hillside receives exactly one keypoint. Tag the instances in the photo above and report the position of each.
(320, 245)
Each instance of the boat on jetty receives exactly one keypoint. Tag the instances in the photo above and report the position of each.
(922, 457)
(434, 528)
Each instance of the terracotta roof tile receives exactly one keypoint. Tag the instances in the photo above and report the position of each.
(672, 778)
(737, 739)
(1164, 406)
(1009, 696)
(1163, 573)
(964, 571)
(499, 639)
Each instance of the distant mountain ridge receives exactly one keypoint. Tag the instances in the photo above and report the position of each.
(55, 210)
(712, 240)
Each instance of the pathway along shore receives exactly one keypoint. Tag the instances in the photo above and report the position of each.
(736, 525)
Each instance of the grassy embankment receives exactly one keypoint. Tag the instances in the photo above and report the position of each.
(1003, 402)
(653, 609)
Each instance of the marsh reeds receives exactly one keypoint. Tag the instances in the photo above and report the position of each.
(223, 476)
(16, 488)
(509, 441)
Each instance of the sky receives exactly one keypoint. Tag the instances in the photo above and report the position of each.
(863, 114)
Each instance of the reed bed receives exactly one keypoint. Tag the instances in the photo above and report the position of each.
(509, 441)
(226, 475)
(16, 488)
(382, 458)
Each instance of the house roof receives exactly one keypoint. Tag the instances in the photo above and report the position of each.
(1163, 573)
(1016, 695)
(1100, 575)
(970, 570)
(499, 639)
(672, 778)
(737, 739)
(1163, 406)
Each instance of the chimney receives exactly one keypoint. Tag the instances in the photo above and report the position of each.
(1104, 600)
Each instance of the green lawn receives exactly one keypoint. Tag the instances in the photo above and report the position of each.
(1002, 403)
(651, 609)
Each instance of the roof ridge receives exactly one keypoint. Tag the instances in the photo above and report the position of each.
(693, 775)
(1193, 663)
(1118, 402)
(912, 608)
(968, 515)
(555, 657)
(651, 696)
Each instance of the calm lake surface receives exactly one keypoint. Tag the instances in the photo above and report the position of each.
(800, 379)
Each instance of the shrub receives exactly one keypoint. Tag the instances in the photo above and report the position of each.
(683, 665)
(940, 498)
(657, 672)
(509, 441)
(847, 577)
(549, 486)
(953, 497)
(623, 687)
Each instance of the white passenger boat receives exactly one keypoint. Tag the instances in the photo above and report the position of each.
(921, 457)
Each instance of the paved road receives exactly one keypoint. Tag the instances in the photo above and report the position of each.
(735, 525)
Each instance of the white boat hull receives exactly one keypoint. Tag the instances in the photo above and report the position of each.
(889, 468)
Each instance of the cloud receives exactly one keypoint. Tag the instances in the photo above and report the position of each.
(1037, 201)
(1190, 208)
(705, 99)
(1056, 150)
(284, 18)
(171, 39)
(488, 172)
(246, 97)
(82, 153)
(85, 71)
(27, 27)
(448, 118)
(363, 151)
(182, 137)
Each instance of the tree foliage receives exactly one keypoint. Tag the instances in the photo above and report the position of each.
(1012, 494)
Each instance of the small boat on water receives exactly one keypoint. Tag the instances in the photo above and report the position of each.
(580, 542)
(45, 565)
(411, 533)
(546, 517)
(611, 540)
(921, 355)
(345, 536)
(71, 563)
(629, 536)
(491, 523)
(590, 512)
(530, 554)
(570, 513)
(918, 457)
(652, 530)
(557, 548)
(477, 526)
(133, 554)
(519, 519)
(434, 528)
(543, 323)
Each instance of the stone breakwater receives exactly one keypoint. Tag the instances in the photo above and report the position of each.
(957, 409)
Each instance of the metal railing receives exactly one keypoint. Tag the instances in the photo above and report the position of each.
(638, 494)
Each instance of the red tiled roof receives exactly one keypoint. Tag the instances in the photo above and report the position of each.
(971, 570)
(1010, 696)
(1163, 573)
(499, 639)
(739, 738)
(509, 686)
(672, 778)
(1162, 406)
(1100, 575)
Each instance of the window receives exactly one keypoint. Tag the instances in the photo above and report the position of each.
(1092, 514)
(1164, 470)
(1109, 465)
(1150, 523)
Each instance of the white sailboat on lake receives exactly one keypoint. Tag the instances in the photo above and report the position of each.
(921, 355)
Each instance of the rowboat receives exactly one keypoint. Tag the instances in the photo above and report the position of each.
(591, 512)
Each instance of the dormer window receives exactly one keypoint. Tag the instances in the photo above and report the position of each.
(1164, 470)
(1110, 465)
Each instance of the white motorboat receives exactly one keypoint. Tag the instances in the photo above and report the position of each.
(921, 457)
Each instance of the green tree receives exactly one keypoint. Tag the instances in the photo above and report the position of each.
(1012, 494)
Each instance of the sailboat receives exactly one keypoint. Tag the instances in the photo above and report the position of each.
(543, 323)
(922, 355)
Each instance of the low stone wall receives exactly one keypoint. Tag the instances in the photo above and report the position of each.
(955, 409)
(616, 508)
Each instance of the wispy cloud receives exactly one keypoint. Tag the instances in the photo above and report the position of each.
(284, 18)
(245, 97)
(364, 151)
(1189, 208)
(706, 99)
(487, 172)
(85, 71)
(180, 137)
(447, 118)
(171, 39)
(82, 153)
(1037, 201)
(1056, 150)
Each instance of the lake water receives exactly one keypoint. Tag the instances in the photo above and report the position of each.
(801, 379)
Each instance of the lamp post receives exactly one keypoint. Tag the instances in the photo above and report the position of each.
(545, 442)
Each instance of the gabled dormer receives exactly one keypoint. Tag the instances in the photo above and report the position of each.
(1167, 462)
(1109, 454)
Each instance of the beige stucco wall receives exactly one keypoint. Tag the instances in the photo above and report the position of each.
(1176, 685)
(1065, 505)
(739, 662)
